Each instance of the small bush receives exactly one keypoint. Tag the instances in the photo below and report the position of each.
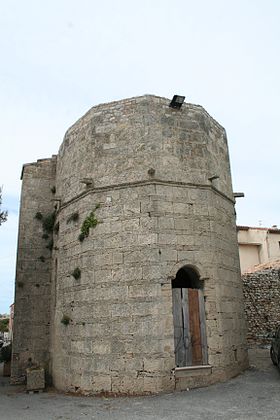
(89, 222)
(81, 237)
(76, 273)
(151, 171)
(4, 325)
(45, 236)
(42, 258)
(53, 189)
(48, 222)
(38, 215)
(6, 353)
(65, 320)
(73, 217)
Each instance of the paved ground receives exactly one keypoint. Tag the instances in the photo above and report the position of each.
(252, 395)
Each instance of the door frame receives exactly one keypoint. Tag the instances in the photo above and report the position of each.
(188, 279)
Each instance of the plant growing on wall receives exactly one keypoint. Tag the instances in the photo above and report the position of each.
(76, 273)
(48, 222)
(90, 222)
(73, 217)
(49, 226)
(38, 215)
(65, 320)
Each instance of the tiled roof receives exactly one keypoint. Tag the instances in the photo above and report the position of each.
(270, 230)
(264, 266)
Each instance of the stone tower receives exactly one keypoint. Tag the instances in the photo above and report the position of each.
(139, 290)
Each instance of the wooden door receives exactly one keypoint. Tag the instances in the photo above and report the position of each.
(189, 327)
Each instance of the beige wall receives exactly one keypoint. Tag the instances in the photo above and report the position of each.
(257, 246)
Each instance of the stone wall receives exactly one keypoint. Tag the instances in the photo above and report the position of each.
(32, 292)
(262, 297)
(120, 337)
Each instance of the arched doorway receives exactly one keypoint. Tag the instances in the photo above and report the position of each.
(189, 319)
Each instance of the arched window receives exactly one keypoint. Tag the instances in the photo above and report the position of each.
(189, 318)
(187, 277)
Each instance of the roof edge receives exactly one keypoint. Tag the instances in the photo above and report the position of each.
(138, 99)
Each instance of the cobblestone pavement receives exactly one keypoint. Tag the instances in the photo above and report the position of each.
(252, 395)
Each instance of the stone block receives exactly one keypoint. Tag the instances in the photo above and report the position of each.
(154, 384)
(35, 379)
(128, 385)
(147, 239)
(167, 239)
(167, 254)
(101, 383)
(101, 347)
(165, 223)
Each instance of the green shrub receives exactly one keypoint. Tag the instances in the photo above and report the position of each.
(6, 353)
(65, 320)
(48, 222)
(4, 324)
(89, 222)
(81, 237)
(73, 217)
(76, 273)
(38, 215)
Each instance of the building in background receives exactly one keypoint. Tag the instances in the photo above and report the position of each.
(11, 321)
(257, 245)
(4, 327)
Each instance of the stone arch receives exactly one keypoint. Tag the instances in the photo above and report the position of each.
(189, 318)
(187, 277)
(197, 267)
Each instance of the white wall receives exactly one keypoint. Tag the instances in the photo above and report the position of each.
(257, 246)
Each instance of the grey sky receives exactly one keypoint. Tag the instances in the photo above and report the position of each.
(60, 57)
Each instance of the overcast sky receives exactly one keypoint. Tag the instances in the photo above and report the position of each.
(61, 57)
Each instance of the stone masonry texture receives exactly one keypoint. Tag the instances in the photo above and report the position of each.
(262, 296)
(143, 169)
